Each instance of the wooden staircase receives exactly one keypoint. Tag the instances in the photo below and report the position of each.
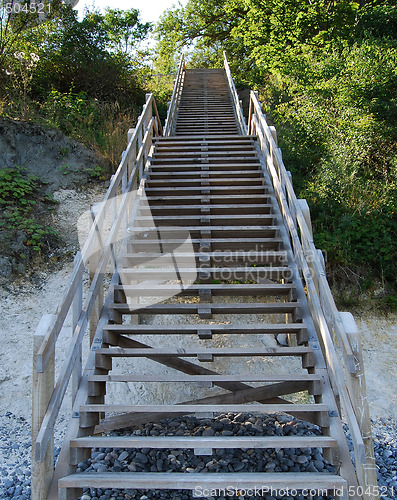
(206, 107)
(208, 288)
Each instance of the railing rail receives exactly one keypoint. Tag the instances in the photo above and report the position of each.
(170, 122)
(348, 383)
(97, 258)
(238, 108)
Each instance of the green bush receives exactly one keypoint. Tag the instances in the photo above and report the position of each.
(336, 117)
(20, 197)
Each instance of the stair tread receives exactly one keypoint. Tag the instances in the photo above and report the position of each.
(176, 481)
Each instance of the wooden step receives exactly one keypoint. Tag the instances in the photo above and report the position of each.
(218, 352)
(266, 290)
(198, 141)
(182, 481)
(203, 220)
(232, 308)
(206, 190)
(210, 199)
(196, 329)
(207, 273)
(212, 181)
(130, 377)
(178, 175)
(254, 233)
(185, 408)
(231, 258)
(231, 243)
(215, 442)
(213, 209)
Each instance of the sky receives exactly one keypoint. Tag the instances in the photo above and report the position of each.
(150, 9)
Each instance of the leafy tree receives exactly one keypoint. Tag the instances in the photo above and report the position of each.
(124, 30)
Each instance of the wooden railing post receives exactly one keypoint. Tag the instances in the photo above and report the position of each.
(141, 134)
(357, 389)
(77, 307)
(133, 153)
(304, 206)
(43, 385)
(93, 264)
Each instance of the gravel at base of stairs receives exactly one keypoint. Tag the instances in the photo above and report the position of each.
(15, 450)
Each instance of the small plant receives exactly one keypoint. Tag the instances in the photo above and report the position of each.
(20, 193)
(64, 169)
(98, 173)
(64, 151)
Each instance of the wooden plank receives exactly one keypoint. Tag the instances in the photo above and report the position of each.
(232, 199)
(214, 181)
(198, 167)
(215, 442)
(216, 351)
(203, 378)
(232, 308)
(152, 191)
(254, 407)
(254, 234)
(217, 256)
(263, 207)
(175, 141)
(224, 273)
(230, 329)
(187, 147)
(179, 481)
(225, 220)
(213, 152)
(253, 289)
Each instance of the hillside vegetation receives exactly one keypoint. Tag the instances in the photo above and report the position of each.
(82, 77)
(326, 72)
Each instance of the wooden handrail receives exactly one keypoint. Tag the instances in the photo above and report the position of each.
(236, 101)
(326, 317)
(175, 98)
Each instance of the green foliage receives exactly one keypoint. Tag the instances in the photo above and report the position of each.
(20, 195)
(98, 173)
(70, 112)
(123, 29)
(84, 79)
(327, 77)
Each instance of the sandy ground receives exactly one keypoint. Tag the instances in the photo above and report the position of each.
(379, 342)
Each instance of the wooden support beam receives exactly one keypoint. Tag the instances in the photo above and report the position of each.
(43, 385)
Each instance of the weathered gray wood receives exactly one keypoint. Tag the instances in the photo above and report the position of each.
(181, 481)
(43, 385)
(357, 387)
(253, 289)
(254, 407)
(249, 328)
(203, 378)
(77, 307)
(214, 351)
(216, 442)
(232, 308)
